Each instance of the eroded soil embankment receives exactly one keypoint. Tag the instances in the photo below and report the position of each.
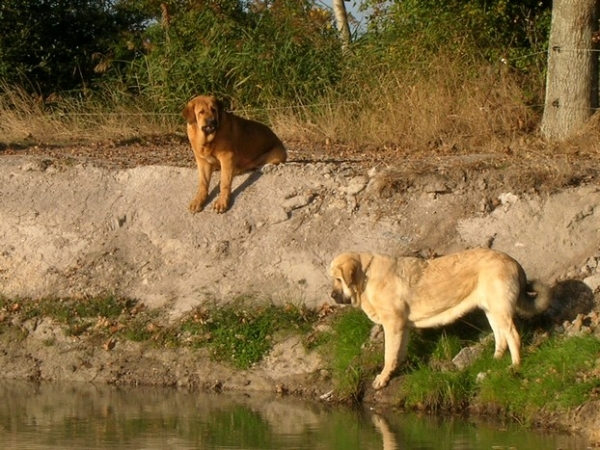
(80, 230)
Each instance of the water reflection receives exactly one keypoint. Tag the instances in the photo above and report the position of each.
(84, 416)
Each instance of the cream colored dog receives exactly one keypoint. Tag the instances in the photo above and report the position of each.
(403, 293)
(221, 140)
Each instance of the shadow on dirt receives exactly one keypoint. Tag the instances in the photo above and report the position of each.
(249, 181)
(569, 299)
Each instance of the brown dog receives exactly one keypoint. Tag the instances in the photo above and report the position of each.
(234, 145)
(404, 293)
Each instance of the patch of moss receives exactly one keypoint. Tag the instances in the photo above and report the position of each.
(241, 334)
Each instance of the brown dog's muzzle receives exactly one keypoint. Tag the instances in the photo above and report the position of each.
(339, 297)
(210, 127)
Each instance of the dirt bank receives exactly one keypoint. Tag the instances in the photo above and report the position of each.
(71, 227)
(73, 230)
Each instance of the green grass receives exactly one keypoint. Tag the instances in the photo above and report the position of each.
(239, 334)
(68, 310)
(435, 390)
(344, 346)
(559, 374)
(240, 337)
(425, 385)
(354, 361)
(554, 377)
(139, 329)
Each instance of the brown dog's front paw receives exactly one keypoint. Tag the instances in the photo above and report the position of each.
(221, 205)
(195, 206)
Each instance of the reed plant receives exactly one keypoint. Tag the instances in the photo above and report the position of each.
(439, 109)
(391, 90)
(77, 119)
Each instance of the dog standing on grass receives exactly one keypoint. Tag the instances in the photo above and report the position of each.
(221, 140)
(404, 293)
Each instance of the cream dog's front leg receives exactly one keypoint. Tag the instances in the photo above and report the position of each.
(396, 342)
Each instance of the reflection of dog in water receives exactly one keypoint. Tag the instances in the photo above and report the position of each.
(389, 439)
(404, 293)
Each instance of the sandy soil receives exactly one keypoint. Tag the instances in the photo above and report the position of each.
(83, 221)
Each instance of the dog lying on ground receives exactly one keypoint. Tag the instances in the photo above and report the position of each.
(221, 140)
(403, 293)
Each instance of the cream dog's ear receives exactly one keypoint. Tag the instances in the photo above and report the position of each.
(188, 112)
(351, 271)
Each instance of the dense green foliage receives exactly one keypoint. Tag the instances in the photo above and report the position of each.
(477, 28)
(254, 53)
(50, 45)
(255, 56)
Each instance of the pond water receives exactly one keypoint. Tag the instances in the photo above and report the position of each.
(85, 416)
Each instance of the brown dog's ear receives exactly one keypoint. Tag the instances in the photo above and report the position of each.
(220, 109)
(188, 113)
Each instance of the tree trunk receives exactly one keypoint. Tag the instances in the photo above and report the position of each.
(341, 20)
(572, 79)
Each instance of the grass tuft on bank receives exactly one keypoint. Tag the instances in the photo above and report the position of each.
(239, 334)
(560, 373)
(344, 346)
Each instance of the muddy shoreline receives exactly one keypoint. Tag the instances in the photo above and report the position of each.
(39, 350)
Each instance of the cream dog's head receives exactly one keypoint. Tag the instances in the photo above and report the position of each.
(204, 112)
(348, 278)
